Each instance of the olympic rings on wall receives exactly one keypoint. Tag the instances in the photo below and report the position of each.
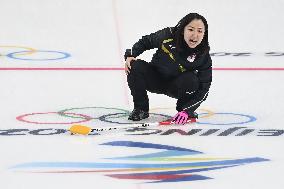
(29, 49)
(114, 115)
(31, 54)
(14, 55)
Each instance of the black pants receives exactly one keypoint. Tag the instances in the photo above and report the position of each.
(144, 77)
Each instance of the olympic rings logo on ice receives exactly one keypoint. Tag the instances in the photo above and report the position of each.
(119, 116)
(31, 54)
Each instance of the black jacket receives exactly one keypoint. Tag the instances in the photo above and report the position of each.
(170, 62)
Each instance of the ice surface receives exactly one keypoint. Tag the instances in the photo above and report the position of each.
(241, 119)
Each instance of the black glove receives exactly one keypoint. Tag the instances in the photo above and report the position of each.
(128, 53)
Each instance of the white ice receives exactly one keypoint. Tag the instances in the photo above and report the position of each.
(95, 33)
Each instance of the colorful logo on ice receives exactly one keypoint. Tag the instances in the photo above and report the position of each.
(168, 164)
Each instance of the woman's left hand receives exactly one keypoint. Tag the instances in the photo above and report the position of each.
(128, 64)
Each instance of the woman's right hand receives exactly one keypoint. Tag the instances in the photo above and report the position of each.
(128, 64)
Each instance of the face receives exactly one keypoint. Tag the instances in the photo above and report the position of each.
(194, 33)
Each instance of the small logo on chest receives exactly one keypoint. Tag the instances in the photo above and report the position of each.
(191, 58)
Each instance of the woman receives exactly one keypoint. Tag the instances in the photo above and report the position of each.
(181, 68)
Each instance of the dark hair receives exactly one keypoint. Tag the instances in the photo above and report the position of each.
(181, 45)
